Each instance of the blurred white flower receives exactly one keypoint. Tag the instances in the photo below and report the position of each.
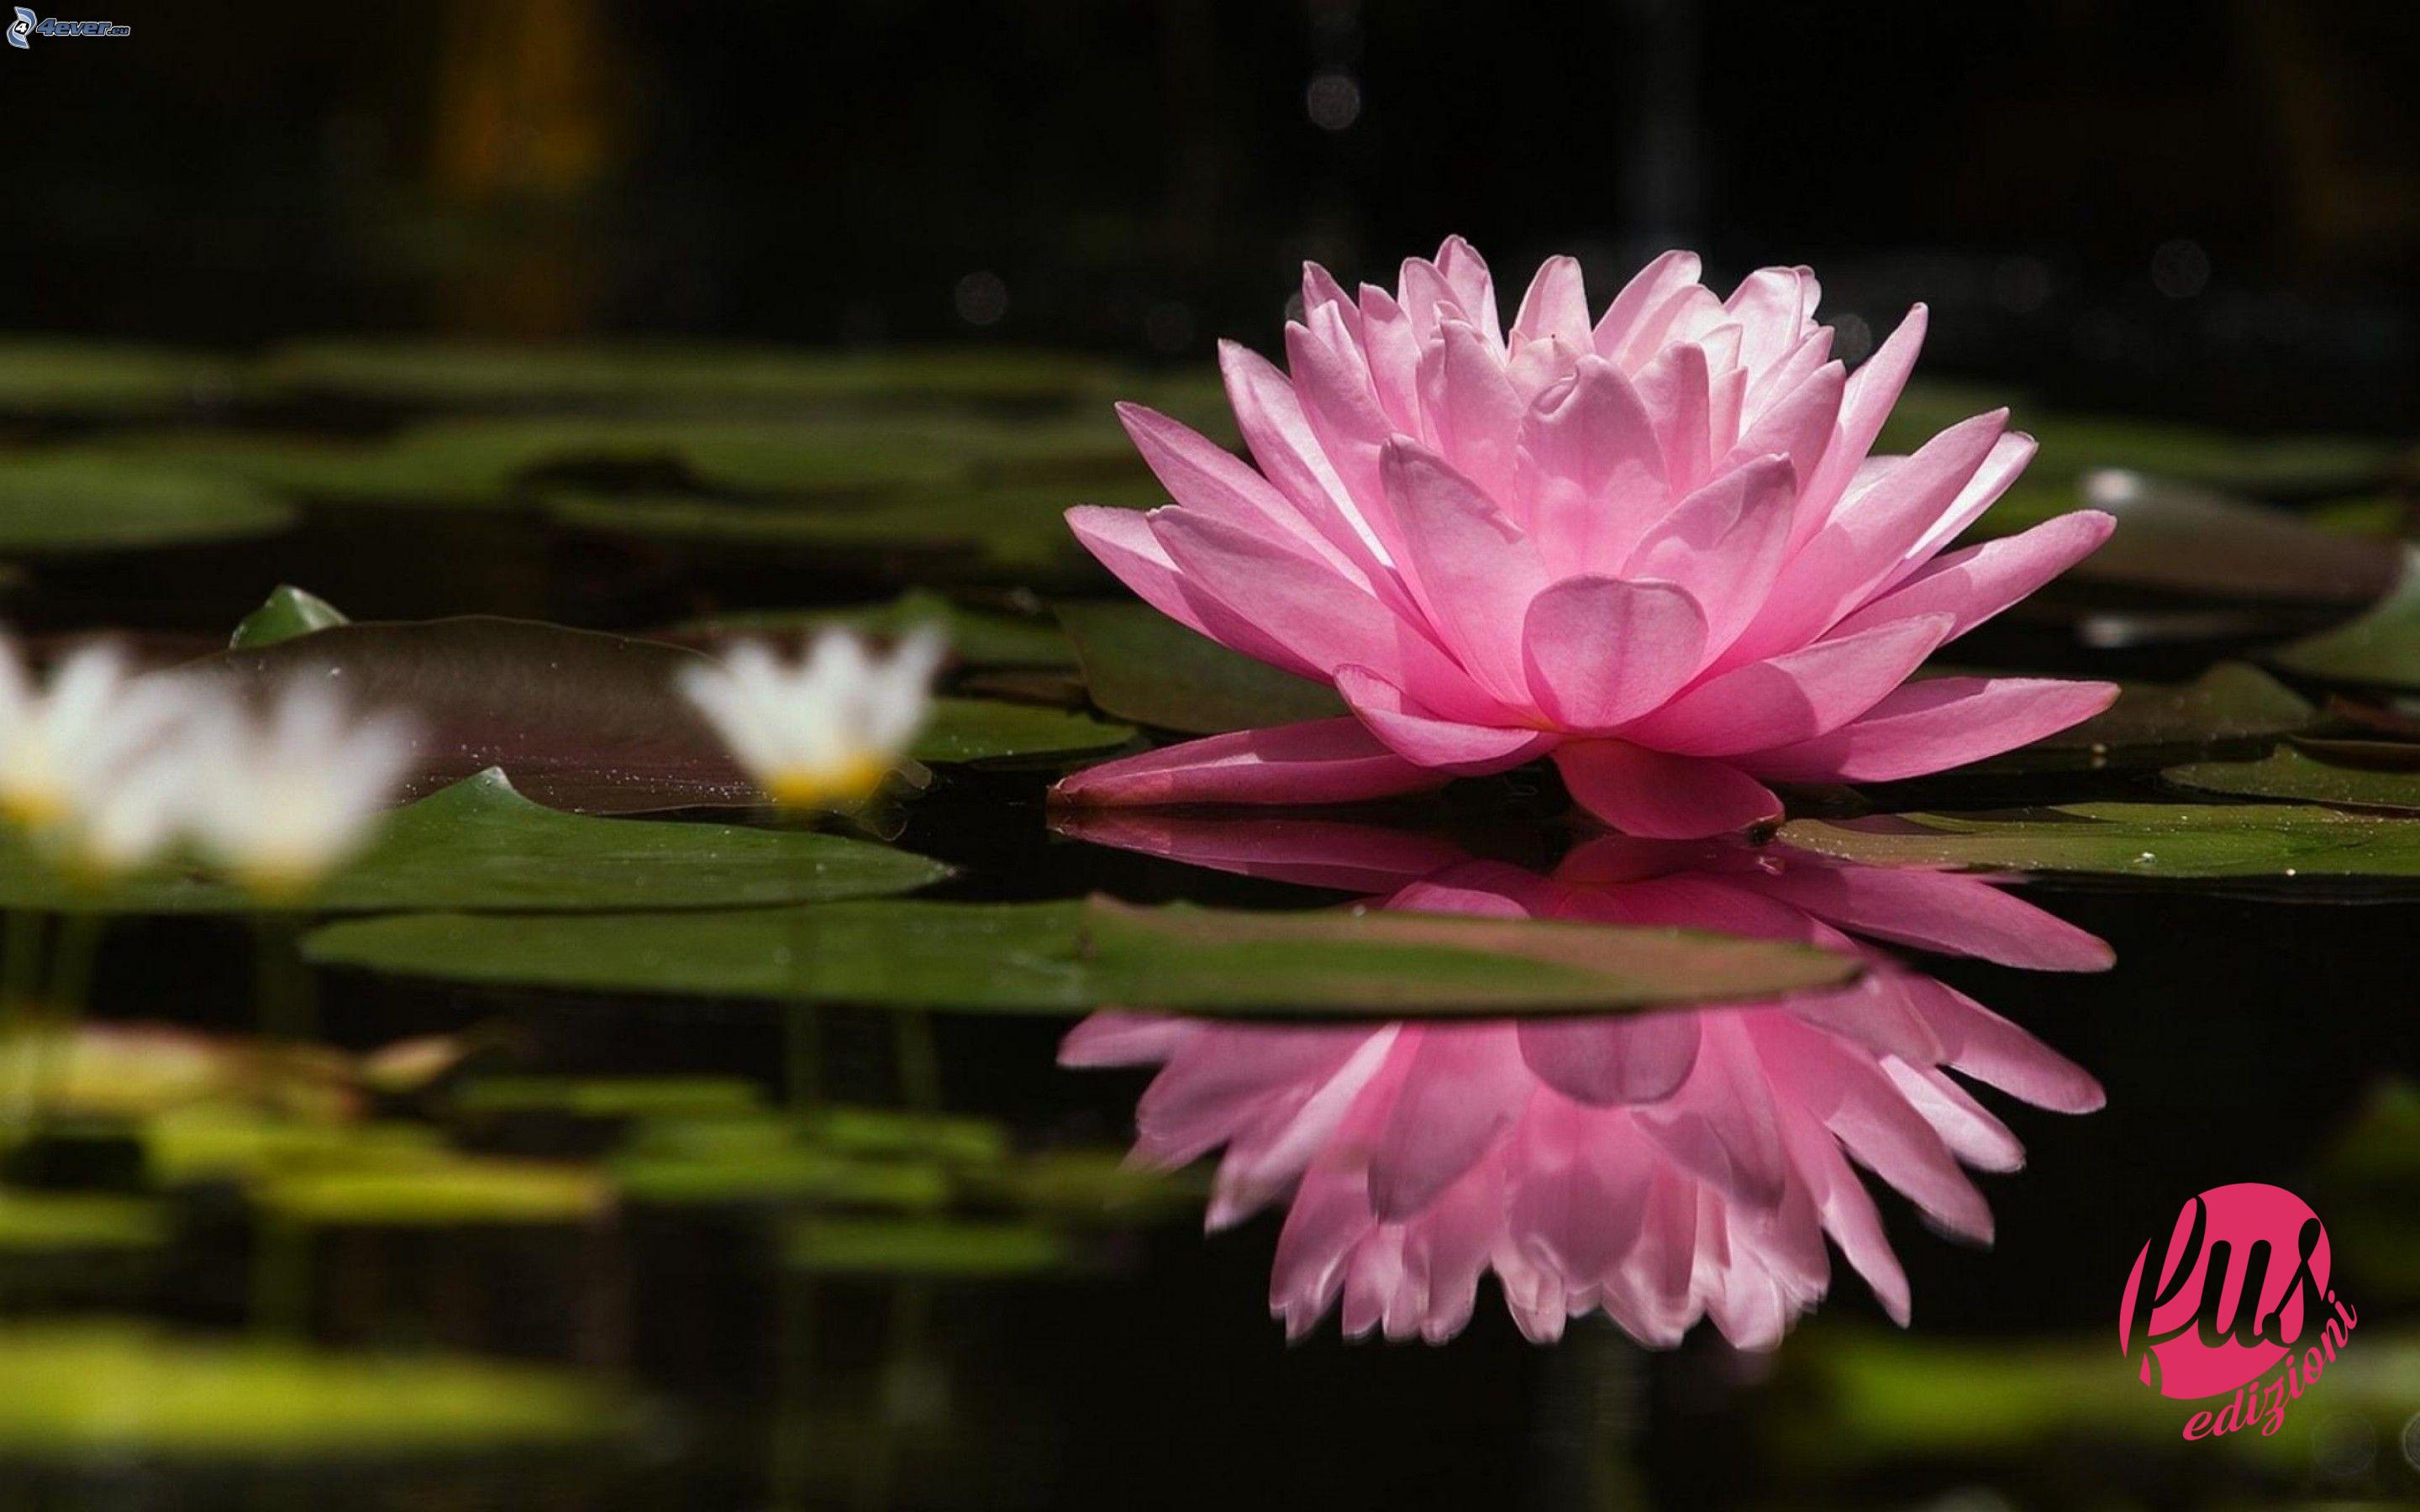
(825, 732)
(122, 818)
(281, 798)
(70, 735)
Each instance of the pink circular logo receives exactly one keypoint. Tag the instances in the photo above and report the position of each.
(2243, 1277)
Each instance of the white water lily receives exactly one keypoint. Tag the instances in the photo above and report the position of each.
(69, 736)
(281, 798)
(826, 730)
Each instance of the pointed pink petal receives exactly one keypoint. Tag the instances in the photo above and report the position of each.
(1675, 390)
(1591, 469)
(1794, 697)
(1649, 290)
(1600, 651)
(1472, 409)
(1865, 404)
(1465, 273)
(1989, 1048)
(1724, 544)
(1799, 427)
(1416, 734)
(1773, 306)
(1934, 725)
(1472, 568)
(1555, 305)
(1648, 792)
(2009, 457)
(1846, 1209)
(1337, 400)
(1394, 351)
(1325, 761)
(1122, 541)
(1971, 1131)
(1205, 477)
(1110, 1039)
(1873, 1118)
(1610, 1062)
(1321, 291)
(1981, 581)
(1286, 450)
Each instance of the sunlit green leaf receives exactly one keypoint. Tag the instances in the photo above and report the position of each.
(2135, 839)
(41, 376)
(444, 1189)
(72, 502)
(2155, 723)
(2381, 647)
(49, 1222)
(1053, 958)
(288, 613)
(2289, 772)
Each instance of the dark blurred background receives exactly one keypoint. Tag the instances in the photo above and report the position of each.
(2207, 209)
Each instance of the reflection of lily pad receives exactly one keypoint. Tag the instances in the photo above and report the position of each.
(2155, 722)
(2134, 840)
(588, 721)
(978, 637)
(1062, 957)
(119, 1390)
(74, 1222)
(445, 1189)
(72, 502)
(941, 1248)
(679, 376)
(1140, 664)
(2381, 647)
(479, 845)
(2292, 773)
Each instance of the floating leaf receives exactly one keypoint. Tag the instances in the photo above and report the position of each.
(611, 1098)
(898, 1131)
(53, 1221)
(479, 845)
(234, 1143)
(681, 375)
(2135, 839)
(288, 613)
(588, 722)
(75, 501)
(2178, 538)
(110, 1391)
(2293, 772)
(42, 376)
(1093, 1186)
(978, 637)
(1064, 957)
(953, 1249)
(769, 1157)
(1140, 664)
(444, 1189)
(2155, 723)
(115, 1072)
(2382, 647)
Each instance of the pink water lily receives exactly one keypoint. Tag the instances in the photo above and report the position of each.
(1660, 1167)
(1652, 544)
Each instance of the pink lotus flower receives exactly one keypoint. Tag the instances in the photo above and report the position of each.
(1652, 546)
(1661, 1167)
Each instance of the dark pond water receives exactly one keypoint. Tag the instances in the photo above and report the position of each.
(471, 1244)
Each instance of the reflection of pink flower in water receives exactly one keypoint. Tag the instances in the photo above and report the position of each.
(1659, 1166)
(1649, 543)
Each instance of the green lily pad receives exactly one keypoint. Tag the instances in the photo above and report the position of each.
(978, 637)
(1140, 664)
(2155, 723)
(81, 502)
(769, 1157)
(210, 1143)
(288, 613)
(1086, 1186)
(54, 1222)
(681, 375)
(2289, 772)
(2132, 839)
(479, 845)
(939, 1248)
(113, 1391)
(1068, 957)
(2175, 537)
(85, 379)
(588, 722)
(958, 1137)
(610, 1098)
(2382, 647)
(442, 1189)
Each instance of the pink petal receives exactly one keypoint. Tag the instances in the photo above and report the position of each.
(1846, 1209)
(1472, 568)
(1205, 477)
(1465, 273)
(1394, 351)
(1871, 1117)
(1799, 427)
(1794, 697)
(1613, 1061)
(1416, 734)
(1286, 449)
(1463, 1087)
(1312, 853)
(1555, 305)
(1872, 390)
(1989, 1048)
(2009, 457)
(1772, 305)
(1109, 1039)
(1675, 389)
(1935, 725)
(1321, 291)
(1325, 761)
(1981, 581)
(1342, 410)
(1591, 469)
(1122, 541)
(1646, 793)
(1472, 409)
(1725, 544)
(1653, 287)
(1600, 651)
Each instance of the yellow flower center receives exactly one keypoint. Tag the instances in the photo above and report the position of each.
(839, 785)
